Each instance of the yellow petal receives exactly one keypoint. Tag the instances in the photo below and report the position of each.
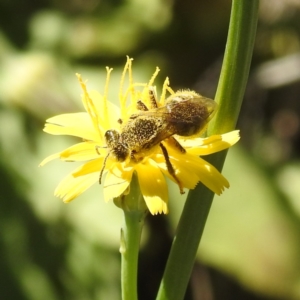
(199, 141)
(191, 169)
(77, 152)
(115, 186)
(231, 137)
(89, 167)
(206, 173)
(185, 173)
(75, 124)
(212, 144)
(49, 158)
(110, 121)
(80, 152)
(114, 115)
(211, 177)
(153, 187)
(71, 187)
(119, 169)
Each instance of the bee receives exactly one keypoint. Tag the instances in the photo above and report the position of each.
(185, 114)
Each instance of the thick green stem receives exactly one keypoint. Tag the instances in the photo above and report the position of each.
(236, 65)
(230, 92)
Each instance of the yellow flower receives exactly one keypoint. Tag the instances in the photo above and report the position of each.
(103, 118)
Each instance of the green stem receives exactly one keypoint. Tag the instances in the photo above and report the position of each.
(134, 214)
(230, 92)
(130, 241)
(236, 65)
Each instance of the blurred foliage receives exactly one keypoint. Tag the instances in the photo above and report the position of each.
(50, 250)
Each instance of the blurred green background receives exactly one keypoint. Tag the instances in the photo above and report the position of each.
(50, 250)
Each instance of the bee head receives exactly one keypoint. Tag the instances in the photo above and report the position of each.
(117, 148)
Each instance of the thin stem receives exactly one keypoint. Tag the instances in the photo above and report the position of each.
(130, 241)
(134, 214)
(230, 92)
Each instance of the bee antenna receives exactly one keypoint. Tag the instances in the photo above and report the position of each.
(103, 167)
(99, 147)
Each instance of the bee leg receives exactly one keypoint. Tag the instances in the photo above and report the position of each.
(152, 98)
(140, 105)
(170, 167)
(153, 102)
(97, 149)
(104, 162)
(173, 142)
(103, 167)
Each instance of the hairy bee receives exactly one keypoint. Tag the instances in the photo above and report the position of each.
(185, 113)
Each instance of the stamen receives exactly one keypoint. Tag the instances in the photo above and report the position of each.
(122, 97)
(151, 81)
(164, 91)
(135, 95)
(105, 108)
(89, 105)
(170, 90)
(131, 86)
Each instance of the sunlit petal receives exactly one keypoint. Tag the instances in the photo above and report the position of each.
(191, 169)
(81, 151)
(153, 187)
(49, 158)
(191, 179)
(75, 124)
(212, 144)
(71, 187)
(89, 167)
(119, 169)
(112, 109)
(115, 186)
(210, 176)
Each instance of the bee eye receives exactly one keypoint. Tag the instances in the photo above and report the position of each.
(118, 149)
(112, 135)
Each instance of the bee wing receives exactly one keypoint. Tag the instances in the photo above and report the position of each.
(190, 117)
(164, 129)
(151, 126)
(159, 112)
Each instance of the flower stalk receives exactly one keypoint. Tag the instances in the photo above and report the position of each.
(230, 93)
(134, 213)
